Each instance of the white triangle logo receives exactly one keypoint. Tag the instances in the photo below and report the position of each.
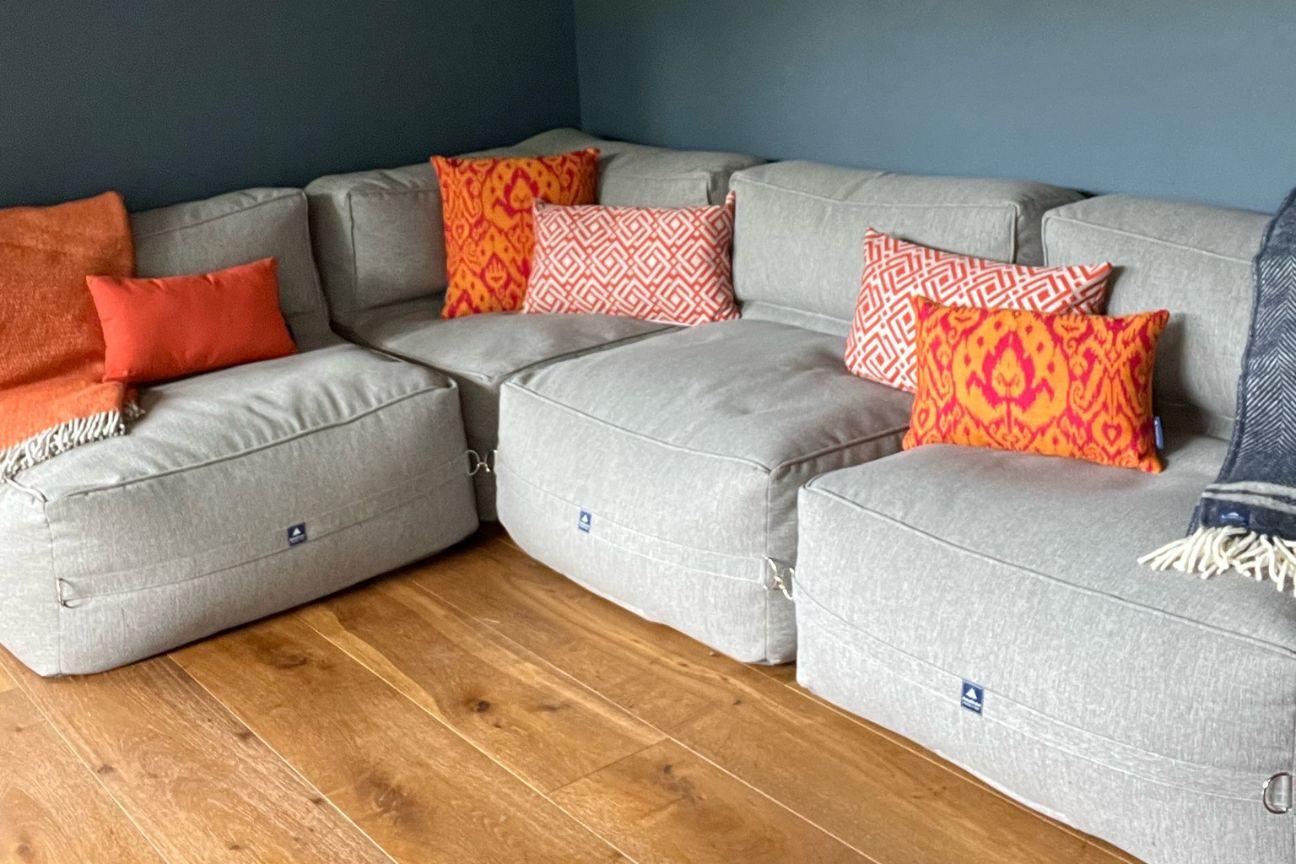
(971, 694)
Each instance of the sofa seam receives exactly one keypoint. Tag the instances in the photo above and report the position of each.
(284, 196)
(1051, 216)
(500, 380)
(837, 448)
(633, 434)
(948, 206)
(256, 449)
(829, 612)
(1254, 641)
(424, 493)
(503, 468)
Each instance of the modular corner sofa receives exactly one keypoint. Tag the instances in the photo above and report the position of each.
(732, 480)
(239, 492)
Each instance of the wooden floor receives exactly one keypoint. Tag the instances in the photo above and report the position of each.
(477, 707)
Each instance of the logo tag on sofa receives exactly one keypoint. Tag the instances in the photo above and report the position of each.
(972, 696)
(585, 522)
(297, 534)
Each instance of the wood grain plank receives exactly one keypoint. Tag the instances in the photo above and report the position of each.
(864, 787)
(537, 722)
(45, 790)
(416, 787)
(665, 805)
(197, 782)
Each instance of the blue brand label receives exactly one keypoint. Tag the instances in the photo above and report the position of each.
(585, 522)
(297, 534)
(1232, 517)
(972, 696)
(1159, 432)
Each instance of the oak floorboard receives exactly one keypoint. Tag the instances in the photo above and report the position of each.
(538, 723)
(44, 788)
(196, 781)
(421, 791)
(664, 805)
(866, 788)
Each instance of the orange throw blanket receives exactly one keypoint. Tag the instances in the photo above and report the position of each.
(52, 393)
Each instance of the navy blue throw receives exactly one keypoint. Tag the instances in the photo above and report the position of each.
(1246, 520)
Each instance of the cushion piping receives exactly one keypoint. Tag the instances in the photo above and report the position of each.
(229, 457)
(1254, 641)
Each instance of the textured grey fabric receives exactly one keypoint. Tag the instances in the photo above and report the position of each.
(1145, 708)
(180, 528)
(1191, 259)
(379, 238)
(235, 228)
(481, 351)
(799, 234)
(686, 450)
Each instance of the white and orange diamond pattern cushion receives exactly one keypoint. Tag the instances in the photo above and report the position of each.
(660, 264)
(881, 340)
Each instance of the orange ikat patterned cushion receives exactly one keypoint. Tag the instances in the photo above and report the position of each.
(489, 234)
(1060, 385)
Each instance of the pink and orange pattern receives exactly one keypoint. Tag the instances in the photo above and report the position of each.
(489, 233)
(1060, 385)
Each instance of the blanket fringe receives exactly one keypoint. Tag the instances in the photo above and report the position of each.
(1210, 551)
(65, 436)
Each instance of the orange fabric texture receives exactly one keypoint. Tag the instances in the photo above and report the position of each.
(489, 232)
(51, 347)
(1060, 385)
(158, 329)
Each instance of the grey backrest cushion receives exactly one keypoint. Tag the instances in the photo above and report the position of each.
(1189, 258)
(235, 228)
(379, 237)
(799, 237)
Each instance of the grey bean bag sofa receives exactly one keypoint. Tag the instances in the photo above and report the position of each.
(1152, 709)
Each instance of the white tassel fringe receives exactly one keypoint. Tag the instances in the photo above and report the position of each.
(65, 436)
(1210, 551)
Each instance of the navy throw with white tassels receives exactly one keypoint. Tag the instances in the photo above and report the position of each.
(1246, 520)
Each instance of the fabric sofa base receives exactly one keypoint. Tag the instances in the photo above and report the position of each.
(1029, 759)
(108, 577)
(727, 602)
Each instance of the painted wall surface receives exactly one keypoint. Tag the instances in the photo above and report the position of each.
(1182, 99)
(169, 101)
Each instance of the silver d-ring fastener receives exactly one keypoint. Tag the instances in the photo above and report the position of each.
(1276, 795)
(477, 463)
(781, 575)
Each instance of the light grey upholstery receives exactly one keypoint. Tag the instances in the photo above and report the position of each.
(127, 547)
(1146, 708)
(235, 228)
(686, 451)
(481, 352)
(799, 236)
(379, 239)
(1191, 259)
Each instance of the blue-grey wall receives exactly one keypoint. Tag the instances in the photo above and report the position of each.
(1175, 98)
(169, 100)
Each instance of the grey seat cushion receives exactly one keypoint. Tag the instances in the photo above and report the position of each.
(686, 451)
(480, 352)
(129, 546)
(1147, 708)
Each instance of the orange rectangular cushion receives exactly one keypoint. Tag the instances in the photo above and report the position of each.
(489, 232)
(1061, 385)
(158, 329)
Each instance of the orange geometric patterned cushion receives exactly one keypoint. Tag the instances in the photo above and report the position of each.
(489, 234)
(1060, 385)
